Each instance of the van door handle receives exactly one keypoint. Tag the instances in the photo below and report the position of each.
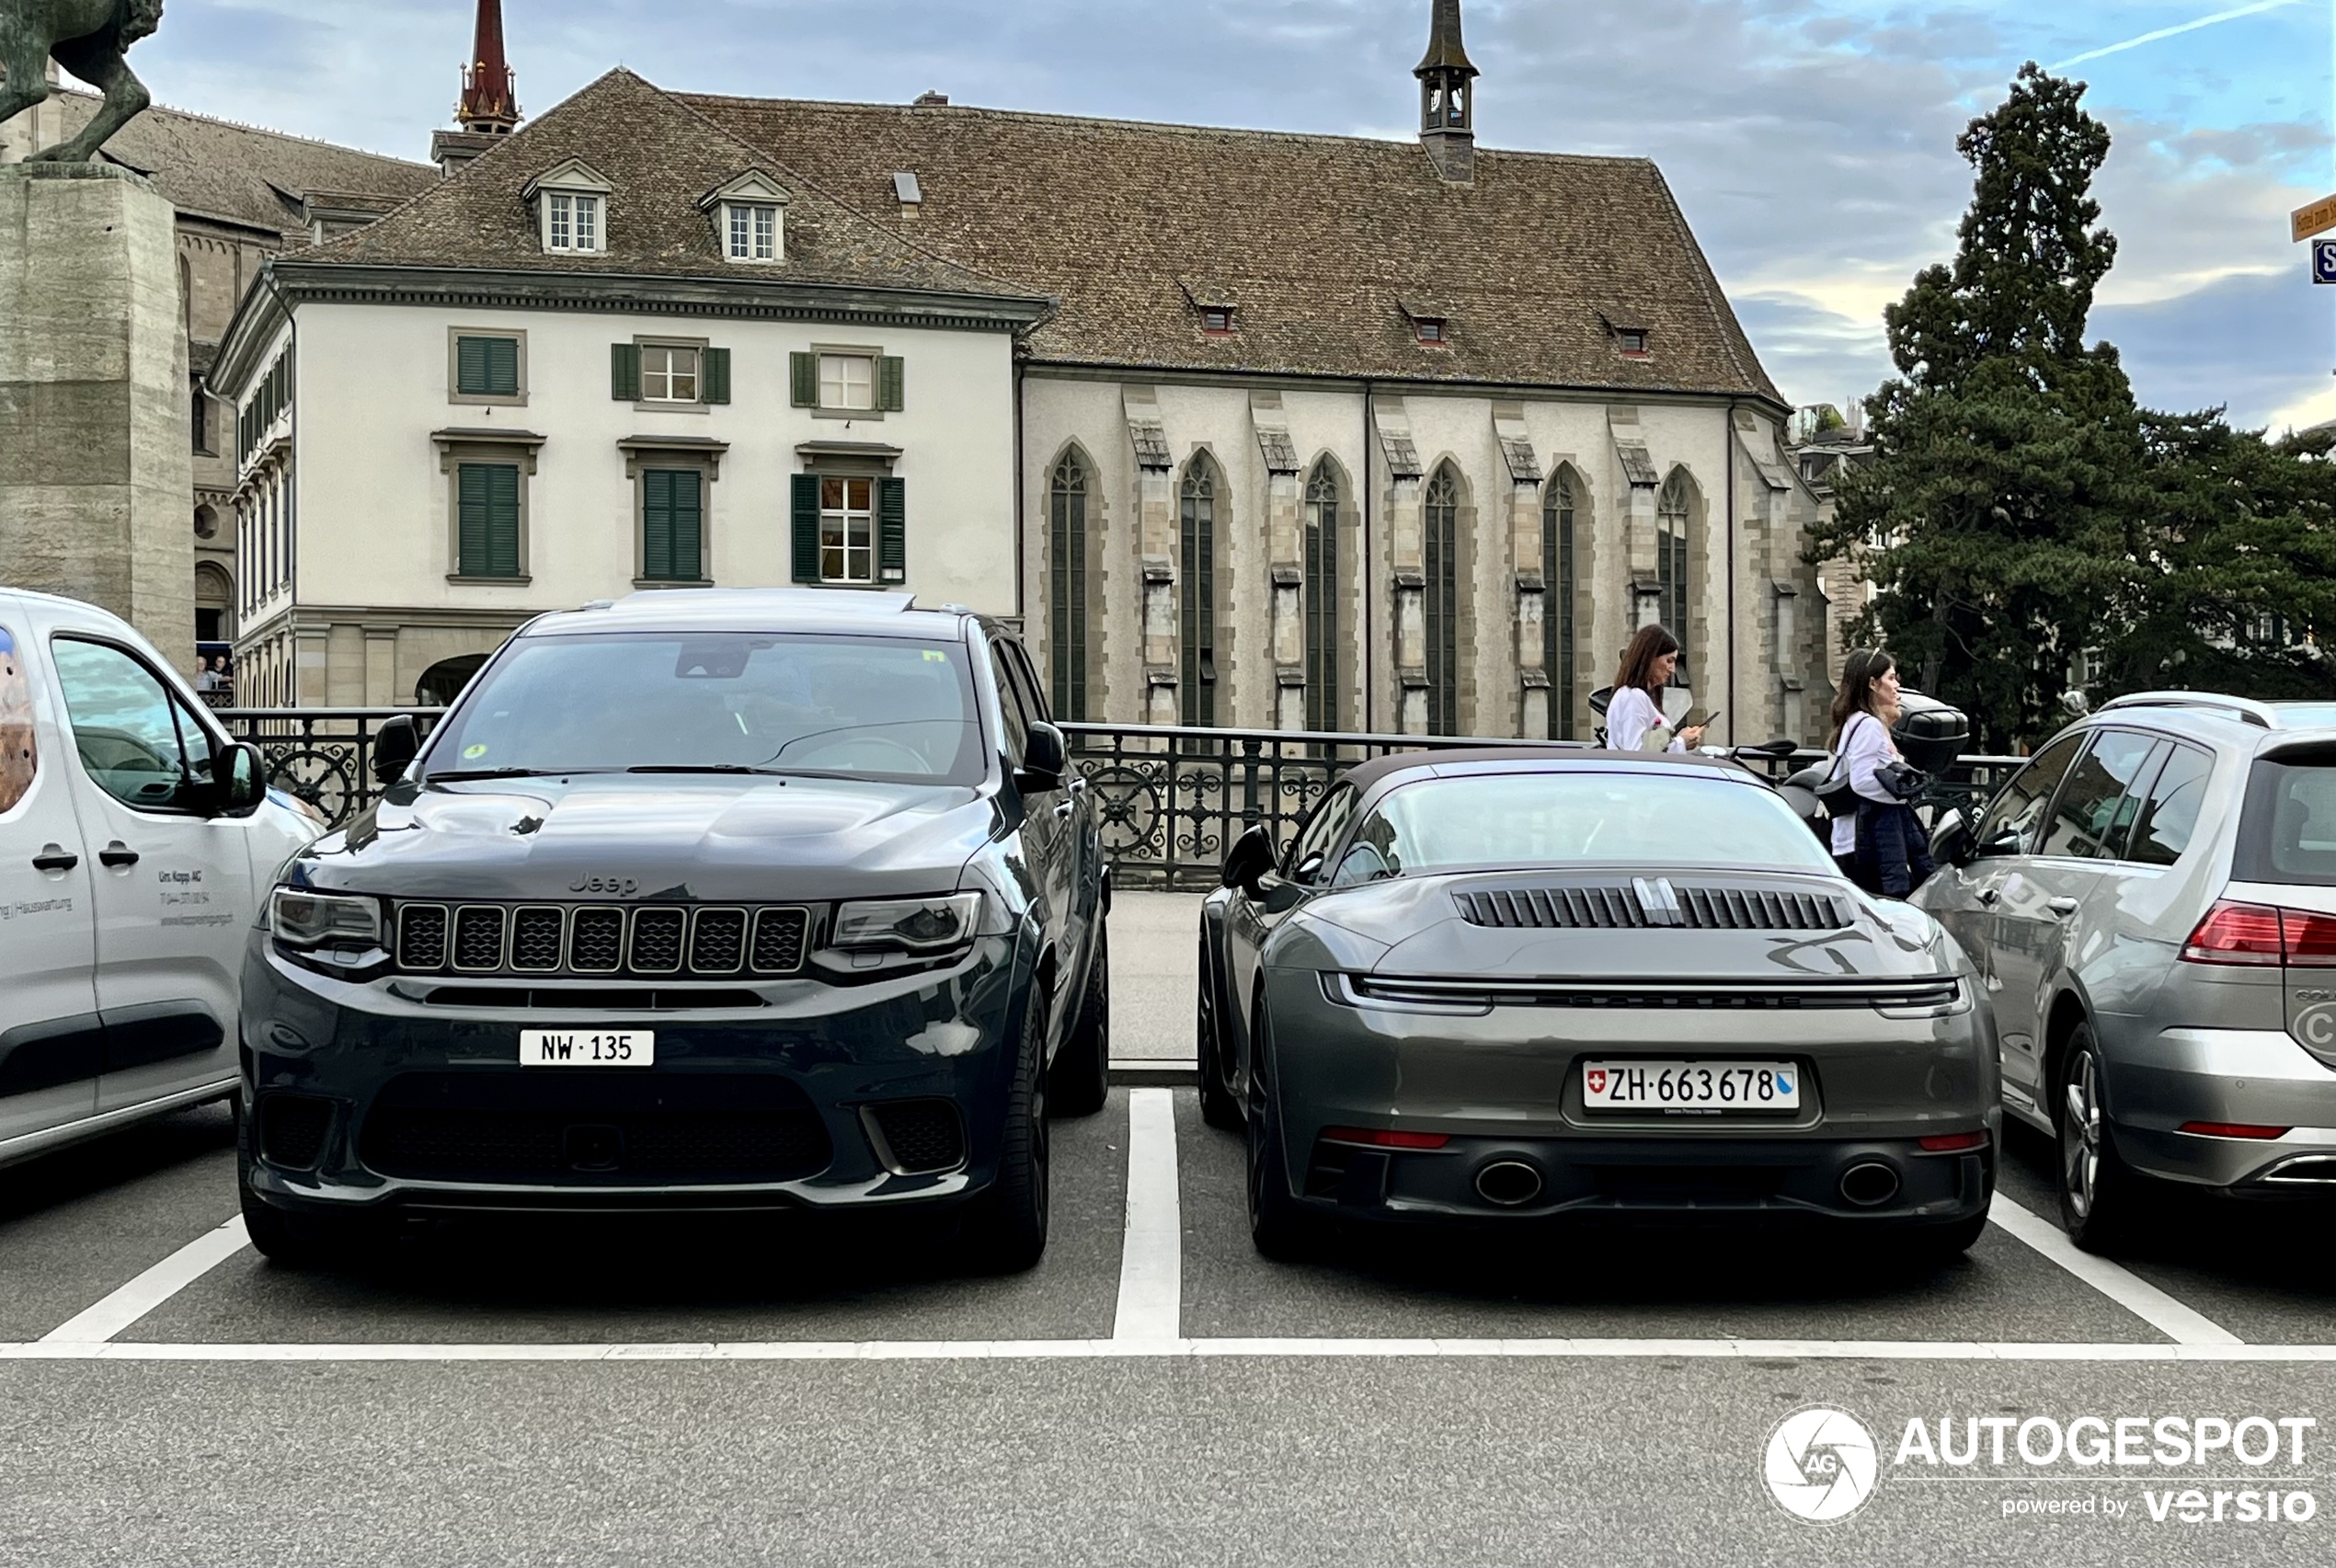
(54, 857)
(117, 854)
(2064, 907)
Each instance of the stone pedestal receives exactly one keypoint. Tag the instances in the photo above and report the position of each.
(95, 460)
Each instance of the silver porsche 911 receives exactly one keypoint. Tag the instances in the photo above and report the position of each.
(1505, 986)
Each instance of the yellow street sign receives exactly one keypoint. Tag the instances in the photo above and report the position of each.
(2317, 218)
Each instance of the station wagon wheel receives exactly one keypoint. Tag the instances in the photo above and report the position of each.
(2096, 1187)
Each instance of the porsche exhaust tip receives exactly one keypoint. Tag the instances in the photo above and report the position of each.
(1869, 1183)
(1508, 1184)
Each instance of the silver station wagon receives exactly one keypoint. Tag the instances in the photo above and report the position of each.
(2151, 903)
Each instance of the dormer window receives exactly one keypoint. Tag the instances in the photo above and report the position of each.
(1216, 320)
(571, 207)
(749, 219)
(1430, 329)
(1431, 321)
(1630, 343)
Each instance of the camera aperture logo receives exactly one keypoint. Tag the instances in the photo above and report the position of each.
(1820, 1464)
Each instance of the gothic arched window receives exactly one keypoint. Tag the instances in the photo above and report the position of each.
(1323, 699)
(1672, 519)
(1557, 615)
(1067, 588)
(1440, 562)
(1197, 593)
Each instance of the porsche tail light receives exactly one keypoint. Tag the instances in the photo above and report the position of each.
(1949, 1143)
(1386, 1138)
(2234, 1129)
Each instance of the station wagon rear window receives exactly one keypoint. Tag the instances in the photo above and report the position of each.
(1578, 817)
(889, 708)
(2288, 832)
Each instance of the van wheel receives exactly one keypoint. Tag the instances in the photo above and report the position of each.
(1080, 1080)
(1006, 1230)
(2098, 1190)
(1218, 1108)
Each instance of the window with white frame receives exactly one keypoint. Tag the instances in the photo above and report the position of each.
(847, 530)
(668, 374)
(847, 380)
(571, 222)
(753, 229)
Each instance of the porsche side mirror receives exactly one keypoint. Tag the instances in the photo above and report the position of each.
(395, 745)
(1249, 858)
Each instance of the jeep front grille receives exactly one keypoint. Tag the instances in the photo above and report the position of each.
(601, 940)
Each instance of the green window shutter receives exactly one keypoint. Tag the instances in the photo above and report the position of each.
(715, 383)
(502, 367)
(689, 527)
(889, 387)
(892, 529)
(803, 376)
(807, 526)
(657, 525)
(625, 371)
(487, 525)
(470, 366)
(471, 533)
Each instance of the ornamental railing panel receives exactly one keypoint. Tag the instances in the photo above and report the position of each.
(1170, 800)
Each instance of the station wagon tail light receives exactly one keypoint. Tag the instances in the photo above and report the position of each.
(2234, 1129)
(1949, 1143)
(2236, 933)
(1386, 1138)
(2258, 934)
(301, 918)
(915, 925)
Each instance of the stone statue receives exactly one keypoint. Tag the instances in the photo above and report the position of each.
(88, 37)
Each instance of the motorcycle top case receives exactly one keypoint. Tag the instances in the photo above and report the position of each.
(1933, 738)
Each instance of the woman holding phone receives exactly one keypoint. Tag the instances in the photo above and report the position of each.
(1634, 720)
(1881, 845)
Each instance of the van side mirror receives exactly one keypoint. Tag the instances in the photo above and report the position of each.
(238, 781)
(1249, 858)
(395, 745)
(1045, 757)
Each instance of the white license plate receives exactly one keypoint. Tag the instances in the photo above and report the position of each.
(1704, 1087)
(587, 1047)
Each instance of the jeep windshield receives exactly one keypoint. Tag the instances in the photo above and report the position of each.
(880, 708)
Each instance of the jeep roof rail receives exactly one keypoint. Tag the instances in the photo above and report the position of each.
(2245, 709)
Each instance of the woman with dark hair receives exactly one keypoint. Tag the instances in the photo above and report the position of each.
(1634, 720)
(1881, 845)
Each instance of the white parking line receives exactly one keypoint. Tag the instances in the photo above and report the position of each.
(1118, 1349)
(1151, 1259)
(151, 1288)
(2184, 1325)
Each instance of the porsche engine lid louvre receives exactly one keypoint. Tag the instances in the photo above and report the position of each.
(1653, 902)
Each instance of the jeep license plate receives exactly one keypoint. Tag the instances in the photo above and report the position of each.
(587, 1047)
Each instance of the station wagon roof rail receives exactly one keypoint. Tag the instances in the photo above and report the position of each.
(2262, 716)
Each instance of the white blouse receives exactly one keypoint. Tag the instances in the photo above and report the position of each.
(1865, 747)
(1628, 718)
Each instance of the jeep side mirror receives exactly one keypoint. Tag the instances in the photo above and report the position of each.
(395, 745)
(1249, 858)
(1045, 757)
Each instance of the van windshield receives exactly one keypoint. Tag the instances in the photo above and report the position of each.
(888, 708)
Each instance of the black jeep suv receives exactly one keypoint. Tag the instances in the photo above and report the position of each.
(714, 900)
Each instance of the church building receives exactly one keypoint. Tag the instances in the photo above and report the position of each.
(1251, 429)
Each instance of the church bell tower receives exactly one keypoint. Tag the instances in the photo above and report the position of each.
(1448, 97)
(489, 109)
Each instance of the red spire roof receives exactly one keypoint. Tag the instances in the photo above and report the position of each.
(488, 103)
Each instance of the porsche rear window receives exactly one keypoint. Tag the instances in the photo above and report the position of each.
(1578, 817)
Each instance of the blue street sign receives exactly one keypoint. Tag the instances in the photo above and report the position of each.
(2324, 261)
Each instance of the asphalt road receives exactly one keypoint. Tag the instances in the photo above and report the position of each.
(1153, 1393)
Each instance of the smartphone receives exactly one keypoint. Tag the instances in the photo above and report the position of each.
(1698, 719)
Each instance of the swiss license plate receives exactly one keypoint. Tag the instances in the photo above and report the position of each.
(587, 1047)
(1704, 1087)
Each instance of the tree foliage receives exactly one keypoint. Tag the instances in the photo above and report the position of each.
(2022, 510)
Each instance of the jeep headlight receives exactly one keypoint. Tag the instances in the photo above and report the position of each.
(913, 925)
(301, 918)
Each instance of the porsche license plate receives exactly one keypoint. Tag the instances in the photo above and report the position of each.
(587, 1047)
(1700, 1086)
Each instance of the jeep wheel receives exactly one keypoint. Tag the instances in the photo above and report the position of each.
(1006, 1230)
(1080, 1080)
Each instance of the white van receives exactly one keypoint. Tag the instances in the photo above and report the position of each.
(136, 841)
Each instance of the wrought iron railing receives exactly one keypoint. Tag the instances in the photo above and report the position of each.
(1172, 800)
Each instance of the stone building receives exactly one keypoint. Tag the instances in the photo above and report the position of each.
(1293, 431)
(242, 194)
(1826, 444)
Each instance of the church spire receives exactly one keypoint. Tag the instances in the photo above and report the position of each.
(1447, 96)
(488, 107)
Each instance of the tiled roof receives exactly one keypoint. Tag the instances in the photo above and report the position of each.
(1318, 239)
(660, 157)
(215, 168)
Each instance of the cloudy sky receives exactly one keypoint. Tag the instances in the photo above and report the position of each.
(1811, 141)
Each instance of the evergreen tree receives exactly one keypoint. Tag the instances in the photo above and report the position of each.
(1998, 520)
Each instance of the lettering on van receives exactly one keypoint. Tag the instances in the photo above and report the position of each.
(37, 907)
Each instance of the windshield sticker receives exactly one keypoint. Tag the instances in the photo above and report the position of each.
(472, 753)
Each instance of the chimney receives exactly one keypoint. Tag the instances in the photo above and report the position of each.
(1448, 97)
